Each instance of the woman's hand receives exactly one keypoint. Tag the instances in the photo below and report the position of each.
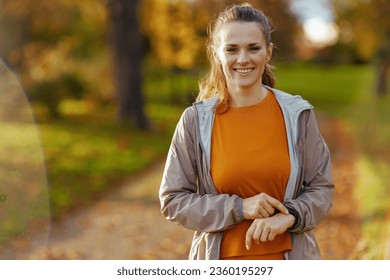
(263, 230)
(261, 206)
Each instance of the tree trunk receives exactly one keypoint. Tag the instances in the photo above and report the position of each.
(383, 71)
(383, 66)
(125, 38)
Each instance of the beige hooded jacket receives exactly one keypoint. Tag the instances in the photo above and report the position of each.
(188, 195)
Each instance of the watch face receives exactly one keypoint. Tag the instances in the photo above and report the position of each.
(24, 193)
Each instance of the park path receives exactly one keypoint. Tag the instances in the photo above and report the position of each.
(126, 223)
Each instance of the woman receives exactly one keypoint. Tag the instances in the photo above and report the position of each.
(247, 168)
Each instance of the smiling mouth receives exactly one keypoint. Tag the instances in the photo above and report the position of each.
(243, 70)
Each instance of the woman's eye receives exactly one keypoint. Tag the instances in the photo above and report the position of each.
(254, 49)
(230, 49)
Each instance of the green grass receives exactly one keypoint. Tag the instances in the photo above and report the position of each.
(23, 188)
(179, 88)
(88, 154)
(372, 194)
(329, 88)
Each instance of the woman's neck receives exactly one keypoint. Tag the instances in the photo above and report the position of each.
(247, 97)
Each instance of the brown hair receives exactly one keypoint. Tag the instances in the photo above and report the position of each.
(214, 83)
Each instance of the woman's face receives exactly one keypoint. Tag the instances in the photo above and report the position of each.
(243, 54)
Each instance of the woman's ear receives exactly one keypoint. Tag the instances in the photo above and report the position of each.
(269, 51)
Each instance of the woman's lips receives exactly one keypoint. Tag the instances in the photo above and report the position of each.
(243, 70)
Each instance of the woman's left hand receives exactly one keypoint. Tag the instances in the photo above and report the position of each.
(265, 229)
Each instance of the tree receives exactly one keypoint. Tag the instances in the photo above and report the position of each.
(53, 47)
(365, 29)
(127, 48)
(175, 30)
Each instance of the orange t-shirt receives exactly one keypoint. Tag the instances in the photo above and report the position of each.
(249, 155)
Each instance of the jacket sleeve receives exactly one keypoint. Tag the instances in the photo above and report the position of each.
(315, 197)
(179, 195)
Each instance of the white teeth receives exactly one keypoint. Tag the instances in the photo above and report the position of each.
(244, 70)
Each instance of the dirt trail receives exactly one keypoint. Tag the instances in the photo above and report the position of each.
(126, 223)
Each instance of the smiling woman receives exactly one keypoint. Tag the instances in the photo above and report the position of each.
(241, 155)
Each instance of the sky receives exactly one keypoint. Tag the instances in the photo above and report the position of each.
(317, 19)
(313, 9)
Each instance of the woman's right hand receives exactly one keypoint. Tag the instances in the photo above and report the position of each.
(261, 206)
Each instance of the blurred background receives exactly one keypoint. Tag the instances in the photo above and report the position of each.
(91, 91)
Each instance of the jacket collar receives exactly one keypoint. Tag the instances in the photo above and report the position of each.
(294, 103)
(206, 113)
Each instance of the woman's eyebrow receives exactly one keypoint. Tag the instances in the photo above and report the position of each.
(235, 45)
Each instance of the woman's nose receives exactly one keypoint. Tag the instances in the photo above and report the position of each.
(243, 57)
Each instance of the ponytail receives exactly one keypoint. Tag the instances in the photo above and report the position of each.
(268, 77)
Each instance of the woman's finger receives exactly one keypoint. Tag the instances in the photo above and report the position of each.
(278, 205)
(262, 212)
(258, 231)
(248, 237)
(271, 236)
(264, 233)
(268, 208)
